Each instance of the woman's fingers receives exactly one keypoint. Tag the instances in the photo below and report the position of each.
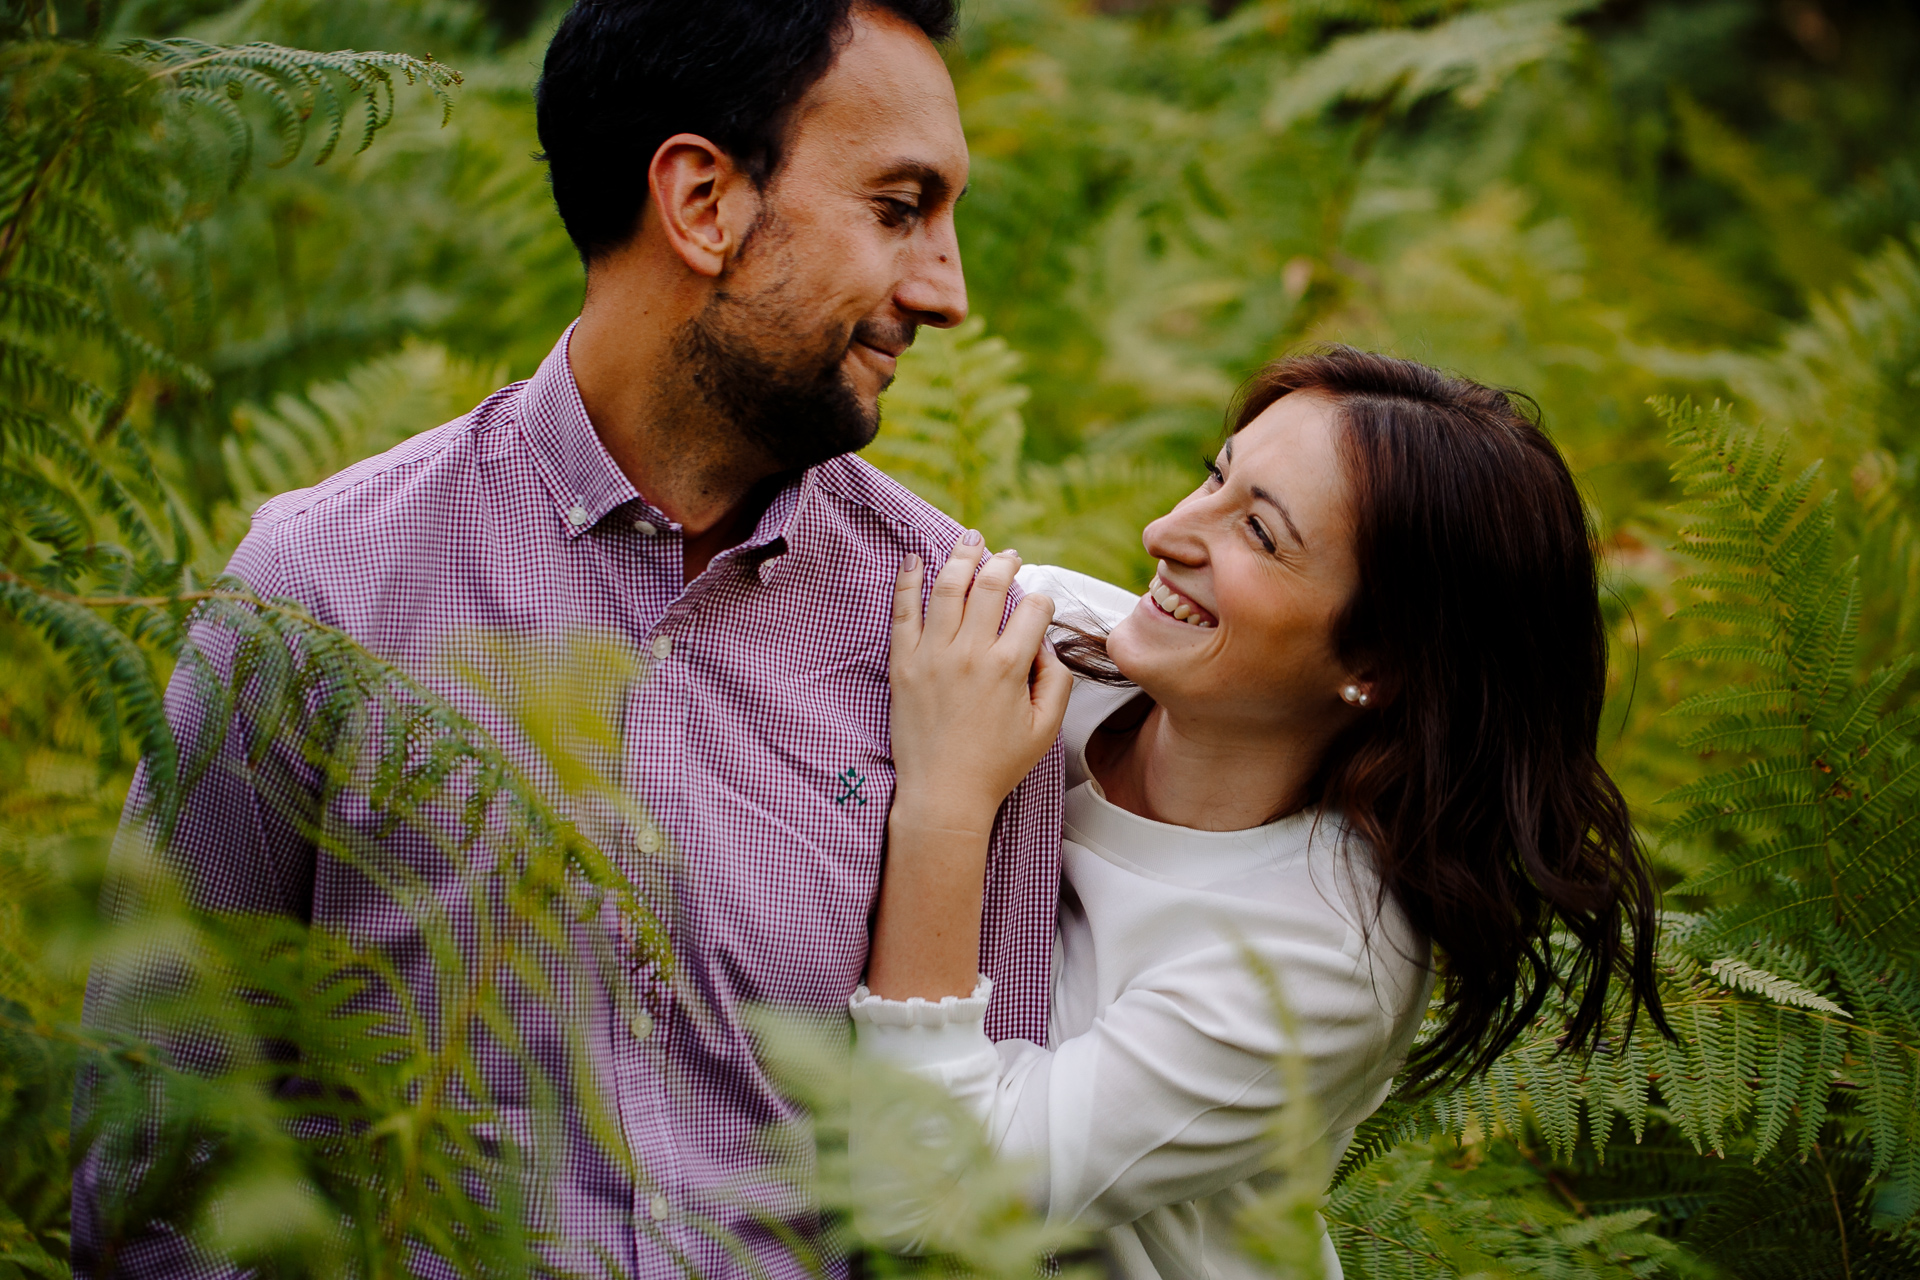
(1025, 629)
(950, 587)
(987, 603)
(906, 606)
(1052, 682)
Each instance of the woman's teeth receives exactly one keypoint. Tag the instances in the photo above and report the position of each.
(1175, 604)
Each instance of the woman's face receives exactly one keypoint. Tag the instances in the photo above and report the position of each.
(1254, 566)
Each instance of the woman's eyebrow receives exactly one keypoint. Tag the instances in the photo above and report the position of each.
(1261, 495)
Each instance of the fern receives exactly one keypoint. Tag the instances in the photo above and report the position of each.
(951, 431)
(1742, 976)
(399, 1082)
(1468, 56)
(1798, 1024)
(1426, 1212)
(304, 439)
(96, 145)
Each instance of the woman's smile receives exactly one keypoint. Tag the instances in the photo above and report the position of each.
(1177, 605)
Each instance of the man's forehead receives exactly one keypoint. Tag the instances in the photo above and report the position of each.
(889, 100)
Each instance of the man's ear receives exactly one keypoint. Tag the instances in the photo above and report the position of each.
(704, 202)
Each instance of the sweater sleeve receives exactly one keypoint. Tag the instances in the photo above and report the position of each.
(1169, 1095)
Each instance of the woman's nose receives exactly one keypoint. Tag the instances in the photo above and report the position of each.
(1176, 536)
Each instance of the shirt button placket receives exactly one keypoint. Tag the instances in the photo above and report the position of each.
(661, 743)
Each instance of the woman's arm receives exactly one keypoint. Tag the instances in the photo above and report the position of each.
(1170, 1095)
(974, 709)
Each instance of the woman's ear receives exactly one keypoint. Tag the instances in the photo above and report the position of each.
(1365, 688)
(705, 204)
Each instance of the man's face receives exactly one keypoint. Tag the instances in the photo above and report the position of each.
(854, 249)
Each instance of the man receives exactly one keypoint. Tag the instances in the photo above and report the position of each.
(763, 193)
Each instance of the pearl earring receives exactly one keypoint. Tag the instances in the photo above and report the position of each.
(1354, 694)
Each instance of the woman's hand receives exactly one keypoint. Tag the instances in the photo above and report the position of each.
(974, 707)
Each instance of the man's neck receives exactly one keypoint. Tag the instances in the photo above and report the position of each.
(1205, 777)
(658, 429)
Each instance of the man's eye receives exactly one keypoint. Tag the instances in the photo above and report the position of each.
(896, 213)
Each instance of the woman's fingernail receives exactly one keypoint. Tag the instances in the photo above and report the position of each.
(911, 564)
(971, 538)
(1008, 552)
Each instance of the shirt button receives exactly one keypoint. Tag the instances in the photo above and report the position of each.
(649, 839)
(642, 1027)
(646, 528)
(662, 646)
(577, 516)
(658, 1208)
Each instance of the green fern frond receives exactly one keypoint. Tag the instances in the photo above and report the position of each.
(1750, 865)
(36, 378)
(1733, 700)
(1469, 57)
(375, 406)
(1759, 653)
(293, 84)
(1743, 614)
(1780, 730)
(1766, 781)
(1744, 977)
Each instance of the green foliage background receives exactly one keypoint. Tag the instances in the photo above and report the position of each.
(1629, 209)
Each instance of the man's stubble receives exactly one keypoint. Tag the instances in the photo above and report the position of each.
(748, 358)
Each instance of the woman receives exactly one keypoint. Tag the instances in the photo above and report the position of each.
(1353, 723)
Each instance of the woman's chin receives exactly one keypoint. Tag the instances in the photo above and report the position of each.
(1145, 640)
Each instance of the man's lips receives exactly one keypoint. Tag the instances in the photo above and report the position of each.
(882, 354)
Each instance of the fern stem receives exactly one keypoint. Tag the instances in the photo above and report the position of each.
(11, 238)
(1384, 1238)
(1839, 1216)
(125, 602)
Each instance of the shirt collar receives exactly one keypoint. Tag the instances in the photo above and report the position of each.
(586, 484)
(582, 478)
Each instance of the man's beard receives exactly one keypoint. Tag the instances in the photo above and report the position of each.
(799, 412)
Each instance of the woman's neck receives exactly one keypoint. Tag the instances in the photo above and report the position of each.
(1201, 776)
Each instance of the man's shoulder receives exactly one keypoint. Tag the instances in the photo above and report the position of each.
(853, 484)
(369, 511)
(417, 472)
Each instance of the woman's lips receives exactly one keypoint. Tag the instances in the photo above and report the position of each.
(1177, 606)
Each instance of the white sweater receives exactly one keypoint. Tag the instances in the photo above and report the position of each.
(1148, 1109)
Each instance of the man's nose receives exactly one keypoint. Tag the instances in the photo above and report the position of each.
(934, 291)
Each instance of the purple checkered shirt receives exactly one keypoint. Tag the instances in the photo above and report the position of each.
(768, 682)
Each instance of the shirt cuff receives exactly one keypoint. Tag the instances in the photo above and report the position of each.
(919, 1033)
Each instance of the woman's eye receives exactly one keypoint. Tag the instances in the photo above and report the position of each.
(1215, 477)
(1260, 532)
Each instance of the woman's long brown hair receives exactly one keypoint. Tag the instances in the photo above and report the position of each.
(1474, 776)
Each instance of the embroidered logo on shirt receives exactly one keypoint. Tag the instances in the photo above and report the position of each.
(850, 784)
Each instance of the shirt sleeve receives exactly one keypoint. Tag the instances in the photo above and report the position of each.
(231, 849)
(1022, 892)
(1169, 1095)
(1018, 902)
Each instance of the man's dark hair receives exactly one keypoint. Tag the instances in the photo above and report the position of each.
(623, 76)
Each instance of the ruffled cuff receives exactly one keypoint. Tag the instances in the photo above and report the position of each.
(919, 1033)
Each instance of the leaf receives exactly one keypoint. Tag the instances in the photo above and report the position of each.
(1470, 56)
(1744, 977)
